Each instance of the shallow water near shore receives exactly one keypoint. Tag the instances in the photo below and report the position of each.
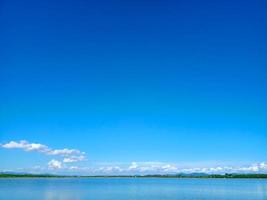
(132, 189)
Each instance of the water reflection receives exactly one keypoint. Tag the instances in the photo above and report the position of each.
(133, 189)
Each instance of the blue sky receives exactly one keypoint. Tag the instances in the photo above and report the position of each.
(133, 84)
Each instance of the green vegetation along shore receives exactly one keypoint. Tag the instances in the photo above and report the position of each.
(8, 175)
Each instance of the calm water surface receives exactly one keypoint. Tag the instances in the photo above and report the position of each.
(133, 189)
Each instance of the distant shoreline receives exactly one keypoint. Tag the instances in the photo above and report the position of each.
(208, 176)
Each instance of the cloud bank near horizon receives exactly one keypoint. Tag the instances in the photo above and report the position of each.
(145, 168)
(70, 156)
(142, 168)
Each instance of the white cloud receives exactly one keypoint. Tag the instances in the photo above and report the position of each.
(133, 166)
(169, 168)
(143, 168)
(254, 167)
(151, 167)
(74, 159)
(70, 155)
(54, 164)
(65, 152)
(23, 144)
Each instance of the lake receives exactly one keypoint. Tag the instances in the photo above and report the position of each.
(132, 189)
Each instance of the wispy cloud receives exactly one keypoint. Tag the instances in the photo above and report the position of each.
(70, 155)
